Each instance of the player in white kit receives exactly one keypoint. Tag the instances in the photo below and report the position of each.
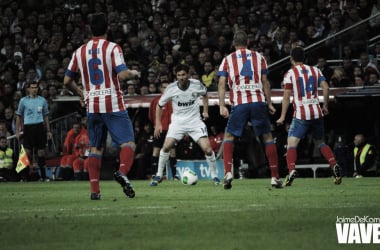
(185, 95)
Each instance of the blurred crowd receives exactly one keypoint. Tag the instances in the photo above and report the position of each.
(37, 39)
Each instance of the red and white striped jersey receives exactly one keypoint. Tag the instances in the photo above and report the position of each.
(99, 61)
(304, 80)
(243, 69)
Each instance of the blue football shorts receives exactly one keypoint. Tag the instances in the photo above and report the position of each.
(118, 124)
(255, 112)
(300, 128)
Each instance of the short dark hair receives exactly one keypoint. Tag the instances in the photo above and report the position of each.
(297, 54)
(181, 67)
(28, 83)
(98, 24)
(240, 38)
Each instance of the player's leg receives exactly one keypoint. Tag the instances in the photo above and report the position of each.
(163, 159)
(173, 163)
(97, 133)
(157, 145)
(326, 151)
(297, 130)
(272, 156)
(236, 122)
(198, 132)
(120, 128)
(204, 144)
(174, 134)
(262, 127)
(40, 144)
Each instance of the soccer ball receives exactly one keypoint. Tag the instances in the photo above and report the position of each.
(189, 177)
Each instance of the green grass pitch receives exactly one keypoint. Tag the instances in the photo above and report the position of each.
(252, 215)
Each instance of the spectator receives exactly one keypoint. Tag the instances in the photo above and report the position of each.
(294, 40)
(152, 89)
(374, 23)
(69, 152)
(326, 70)
(209, 78)
(366, 65)
(144, 90)
(7, 93)
(364, 8)
(358, 35)
(347, 51)
(334, 43)
(21, 80)
(82, 149)
(339, 79)
(375, 54)
(348, 68)
(7, 171)
(358, 72)
(373, 79)
(320, 29)
(364, 156)
(10, 120)
(131, 89)
(359, 81)
(18, 60)
(3, 129)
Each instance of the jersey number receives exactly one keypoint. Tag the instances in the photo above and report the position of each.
(246, 70)
(310, 85)
(96, 75)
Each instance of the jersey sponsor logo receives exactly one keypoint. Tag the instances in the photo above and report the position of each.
(186, 104)
(243, 87)
(309, 101)
(100, 92)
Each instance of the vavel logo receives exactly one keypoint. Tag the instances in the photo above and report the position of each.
(358, 230)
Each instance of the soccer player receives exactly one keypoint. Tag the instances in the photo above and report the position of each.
(167, 111)
(101, 64)
(302, 81)
(184, 94)
(246, 71)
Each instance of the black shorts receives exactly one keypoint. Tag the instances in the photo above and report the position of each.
(159, 142)
(35, 136)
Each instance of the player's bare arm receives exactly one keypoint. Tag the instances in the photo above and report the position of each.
(47, 126)
(205, 107)
(325, 91)
(71, 85)
(222, 93)
(129, 74)
(158, 124)
(268, 95)
(284, 106)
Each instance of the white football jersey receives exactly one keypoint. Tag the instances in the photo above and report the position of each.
(185, 102)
